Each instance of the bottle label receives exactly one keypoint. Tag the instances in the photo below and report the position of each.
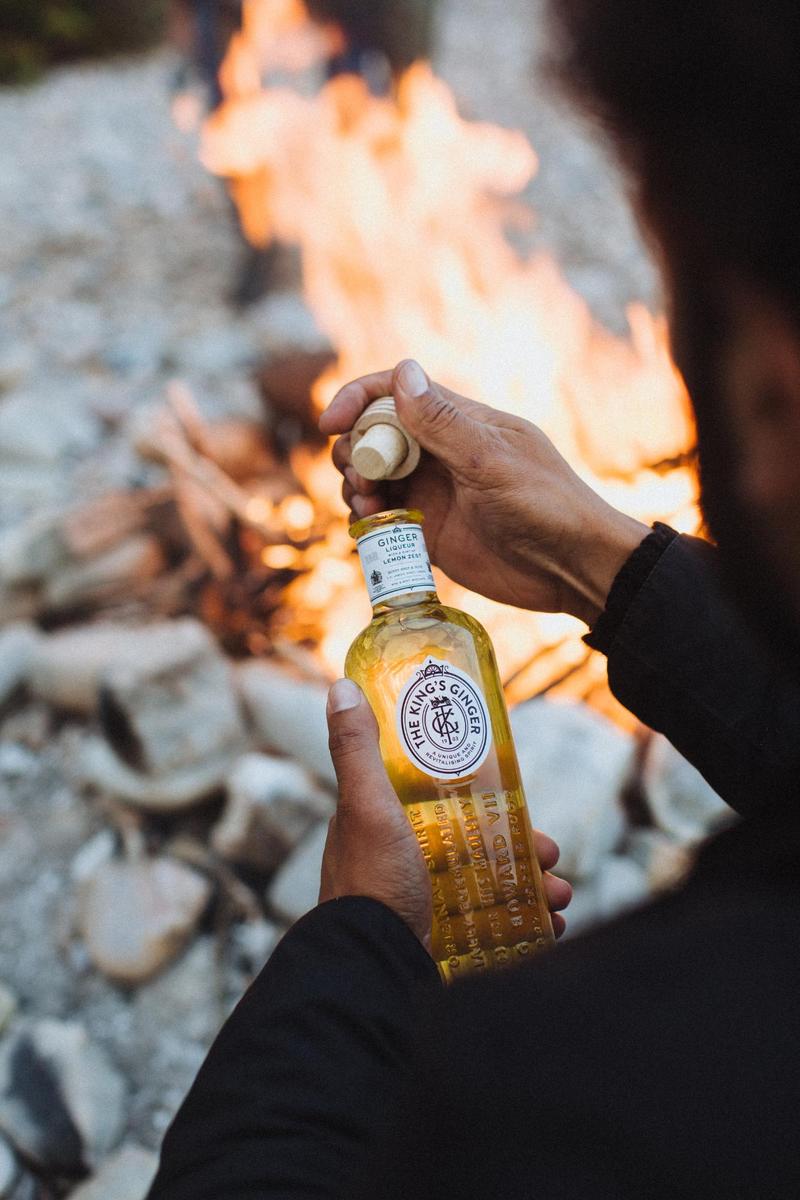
(443, 722)
(395, 561)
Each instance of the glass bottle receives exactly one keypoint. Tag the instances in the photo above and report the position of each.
(430, 675)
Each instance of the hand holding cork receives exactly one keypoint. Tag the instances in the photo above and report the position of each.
(382, 449)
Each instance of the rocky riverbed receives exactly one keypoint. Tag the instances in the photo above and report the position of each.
(141, 889)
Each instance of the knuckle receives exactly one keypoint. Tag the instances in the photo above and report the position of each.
(439, 413)
(345, 743)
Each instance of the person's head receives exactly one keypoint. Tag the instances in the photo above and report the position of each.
(702, 99)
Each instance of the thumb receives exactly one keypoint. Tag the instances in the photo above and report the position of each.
(434, 415)
(355, 750)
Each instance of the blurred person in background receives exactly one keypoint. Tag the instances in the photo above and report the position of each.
(656, 1056)
(380, 39)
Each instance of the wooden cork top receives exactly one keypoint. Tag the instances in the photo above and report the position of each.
(381, 448)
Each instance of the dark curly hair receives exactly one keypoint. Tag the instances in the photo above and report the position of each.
(702, 98)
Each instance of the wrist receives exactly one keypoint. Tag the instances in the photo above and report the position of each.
(606, 541)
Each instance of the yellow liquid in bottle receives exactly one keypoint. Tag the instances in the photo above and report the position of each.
(488, 900)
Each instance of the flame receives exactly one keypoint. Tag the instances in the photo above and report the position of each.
(400, 208)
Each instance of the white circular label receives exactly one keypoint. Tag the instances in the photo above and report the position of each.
(443, 721)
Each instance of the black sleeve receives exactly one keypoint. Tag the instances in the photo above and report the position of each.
(300, 1079)
(682, 659)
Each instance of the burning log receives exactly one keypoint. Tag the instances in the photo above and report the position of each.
(95, 528)
(121, 573)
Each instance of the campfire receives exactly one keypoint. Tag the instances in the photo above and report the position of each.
(400, 209)
(165, 642)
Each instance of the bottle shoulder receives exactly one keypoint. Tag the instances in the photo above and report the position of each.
(431, 622)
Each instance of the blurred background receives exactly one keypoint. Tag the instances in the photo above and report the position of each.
(212, 214)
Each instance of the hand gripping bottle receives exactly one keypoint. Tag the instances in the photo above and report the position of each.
(430, 675)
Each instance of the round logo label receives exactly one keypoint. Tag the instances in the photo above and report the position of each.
(443, 721)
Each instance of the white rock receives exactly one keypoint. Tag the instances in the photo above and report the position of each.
(31, 550)
(664, 861)
(126, 1175)
(272, 804)
(9, 1169)
(682, 803)
(288, 714)
(98, 850)
(17, 644)
(621, 884)
(68, 668)
(254, 941)
(175, 707)
(41, 427)
(582, 913)
(8, 1006)
(184, 999)
(136, 916)
(29, 726)
(574, 764)
(217, 351)
(61, 1099)
(96, 765)
(17, 361)
(16, 762)
(295, 889)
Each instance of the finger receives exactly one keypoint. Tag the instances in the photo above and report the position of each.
(341, 460)
(439, 419)
(547, 851)
(365, 487)
(340, 453)
(559, 925)
(364, 786)
(349, 403)
(557, 891)
(367, 506)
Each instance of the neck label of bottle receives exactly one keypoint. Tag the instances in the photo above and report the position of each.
(443, 722)
(395, 562)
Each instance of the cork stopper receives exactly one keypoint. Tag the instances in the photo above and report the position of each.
(382, 448)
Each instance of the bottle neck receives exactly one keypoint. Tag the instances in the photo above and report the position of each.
(406, 600)
(396, 565)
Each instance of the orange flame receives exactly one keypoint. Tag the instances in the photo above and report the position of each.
(399, 206)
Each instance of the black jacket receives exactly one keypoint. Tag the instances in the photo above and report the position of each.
(656, 1057)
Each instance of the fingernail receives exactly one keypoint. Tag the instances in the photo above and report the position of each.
(358, 504)
(413, 379)
(351, 475)
(343, 695)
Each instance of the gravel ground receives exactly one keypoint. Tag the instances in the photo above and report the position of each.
(117, 257)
